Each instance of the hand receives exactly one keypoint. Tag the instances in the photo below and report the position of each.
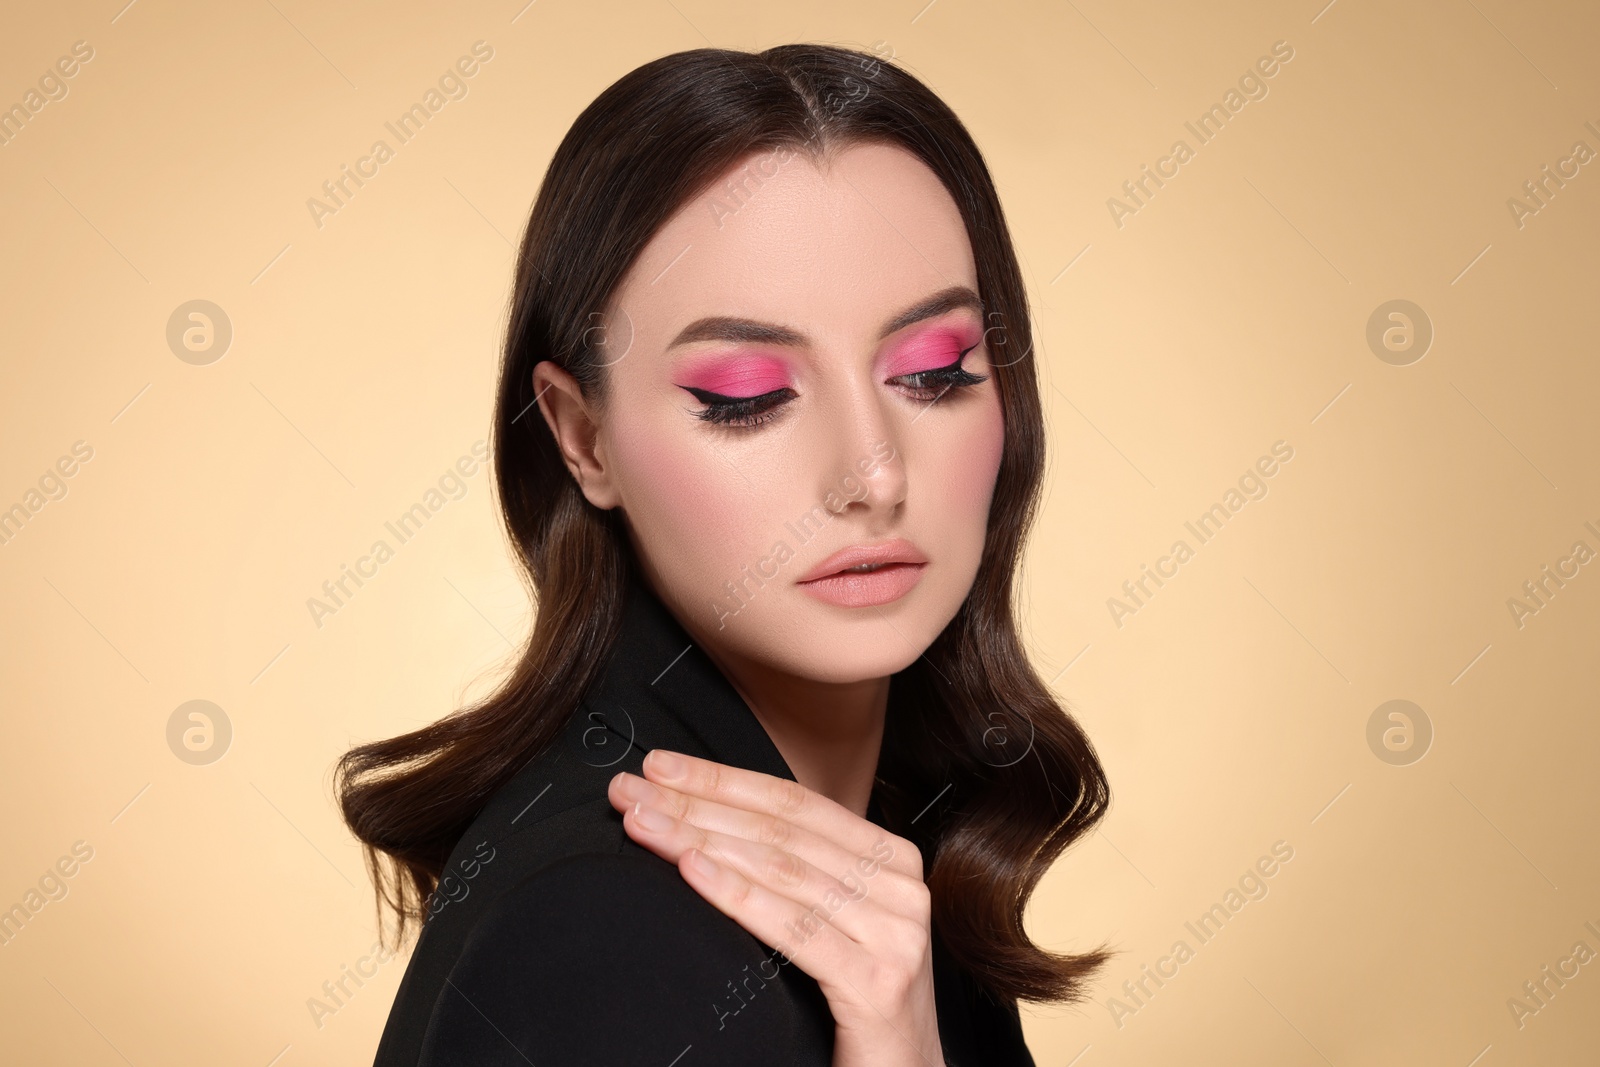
(837, 895)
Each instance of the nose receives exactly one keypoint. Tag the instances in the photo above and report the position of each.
(865, 467)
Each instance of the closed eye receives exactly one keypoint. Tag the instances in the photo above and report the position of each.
(745, 411)
(929, 385)
(739, 410)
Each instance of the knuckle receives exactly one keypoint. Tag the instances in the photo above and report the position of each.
(784, 869)
(919, 903)
(791, 798)
(773, 831)
(739, 893)
(909, 945)
(900, 853)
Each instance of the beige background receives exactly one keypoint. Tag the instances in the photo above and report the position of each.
(1227, 314)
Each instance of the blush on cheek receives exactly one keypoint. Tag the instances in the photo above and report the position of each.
(973, 463)
(690, 510)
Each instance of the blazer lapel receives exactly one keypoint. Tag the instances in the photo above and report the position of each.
(661, 690)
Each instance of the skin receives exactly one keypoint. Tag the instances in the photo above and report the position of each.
(829, 256)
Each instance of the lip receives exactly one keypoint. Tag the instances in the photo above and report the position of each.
(901, 565)
(895, 550)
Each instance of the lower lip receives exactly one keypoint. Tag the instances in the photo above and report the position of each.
(866, 589)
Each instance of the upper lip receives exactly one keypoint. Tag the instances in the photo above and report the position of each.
(895, 550)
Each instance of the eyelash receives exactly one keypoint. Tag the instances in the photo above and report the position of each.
(740, 411)
(926, 386)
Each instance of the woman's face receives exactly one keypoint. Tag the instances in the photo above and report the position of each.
(796, 367)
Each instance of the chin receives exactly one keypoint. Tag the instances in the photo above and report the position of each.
(846, 658)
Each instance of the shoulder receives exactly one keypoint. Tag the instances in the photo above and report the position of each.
(613, 958)
(553, 808)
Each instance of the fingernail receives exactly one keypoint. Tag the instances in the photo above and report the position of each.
(702, 865)
(667, 765)
(652, 819)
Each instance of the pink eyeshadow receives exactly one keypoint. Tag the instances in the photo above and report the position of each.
(935, 347)
(740, 376)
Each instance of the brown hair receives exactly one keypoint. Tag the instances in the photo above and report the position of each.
(981, 768)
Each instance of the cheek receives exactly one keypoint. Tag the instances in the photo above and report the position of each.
(968, 468)
(695, 518)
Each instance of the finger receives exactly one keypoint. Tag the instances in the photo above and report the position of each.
(854, 906)
(898, 889)
(789, 800)
(806, 940)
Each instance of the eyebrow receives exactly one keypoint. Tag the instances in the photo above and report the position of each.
(723, 328)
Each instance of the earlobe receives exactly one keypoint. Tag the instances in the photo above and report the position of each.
(577, 434)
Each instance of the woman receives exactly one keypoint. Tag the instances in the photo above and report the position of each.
(767, 441)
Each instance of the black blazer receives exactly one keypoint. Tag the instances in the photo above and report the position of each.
(555, 940)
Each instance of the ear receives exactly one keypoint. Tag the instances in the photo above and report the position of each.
(577, 433)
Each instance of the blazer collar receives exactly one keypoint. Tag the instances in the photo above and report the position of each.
(659, 689)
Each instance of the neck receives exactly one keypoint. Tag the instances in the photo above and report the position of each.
(829, 733)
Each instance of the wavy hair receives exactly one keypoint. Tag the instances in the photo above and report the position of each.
(981, 767)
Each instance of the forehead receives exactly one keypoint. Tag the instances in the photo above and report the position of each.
(833, 247)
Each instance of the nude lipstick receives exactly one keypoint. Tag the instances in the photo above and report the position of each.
(864, 576)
